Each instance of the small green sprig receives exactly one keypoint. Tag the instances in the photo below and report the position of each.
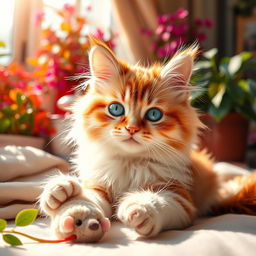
(25, 218)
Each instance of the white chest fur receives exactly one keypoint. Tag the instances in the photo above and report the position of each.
(122, 174)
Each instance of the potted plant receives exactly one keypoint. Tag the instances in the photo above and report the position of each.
(22, 121)
(226, 92)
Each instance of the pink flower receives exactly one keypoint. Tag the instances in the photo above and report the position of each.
(181, 13)
(169, 28)
(174, 30)
(162, 19)
(111, 44)
(99, 34)
(173, 45)
(178, 30)
(39, 87)
(166, 36)
(160, 29)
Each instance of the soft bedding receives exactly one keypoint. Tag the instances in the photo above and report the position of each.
(24, 169)
(227, 235)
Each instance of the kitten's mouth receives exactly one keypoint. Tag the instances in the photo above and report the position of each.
(131, 140)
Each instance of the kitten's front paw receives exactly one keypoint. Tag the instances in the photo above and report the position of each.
(80, 218)
(58, 191)
(140, 218)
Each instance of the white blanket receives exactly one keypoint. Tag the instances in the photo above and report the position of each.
(226, 235)
(22, 173)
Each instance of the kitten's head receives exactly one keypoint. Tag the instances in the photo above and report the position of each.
(133, 109)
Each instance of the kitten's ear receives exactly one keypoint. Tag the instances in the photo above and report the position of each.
(103, 64)
(178, 70)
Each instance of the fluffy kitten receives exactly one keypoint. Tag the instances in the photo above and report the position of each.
(134, 129)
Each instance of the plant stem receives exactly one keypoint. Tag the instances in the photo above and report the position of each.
(70, 238)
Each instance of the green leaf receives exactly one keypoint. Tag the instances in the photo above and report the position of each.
(234, 64)
(26, 217)
(202, 65)
(243, 84)
(236, 93)
(25, 118)
(245, 56)
(252, 86)
(217, 99)
(4, 124)
(8, 112)
(247, 111)
(213, 89)
(3, 224)
(211, 53)
(11, 239)
(195, 94)
(20, 98)
(222, 110)
(224, 64)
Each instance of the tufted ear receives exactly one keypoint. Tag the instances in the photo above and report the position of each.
(177, 72)
(103, 64)
(181, 65)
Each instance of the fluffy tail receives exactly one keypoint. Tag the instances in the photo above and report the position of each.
(237, 195)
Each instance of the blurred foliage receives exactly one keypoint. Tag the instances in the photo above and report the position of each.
(226, 85)
(20, 111)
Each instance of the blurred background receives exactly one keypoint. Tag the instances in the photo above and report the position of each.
(45, 42)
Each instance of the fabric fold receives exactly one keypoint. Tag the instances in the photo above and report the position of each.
(23, 171)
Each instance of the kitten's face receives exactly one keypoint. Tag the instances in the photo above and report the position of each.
(135, 110)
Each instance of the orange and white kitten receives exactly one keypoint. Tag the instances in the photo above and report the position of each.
(134, 129)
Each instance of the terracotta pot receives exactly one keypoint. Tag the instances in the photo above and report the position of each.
(21, 140)
(226, 140)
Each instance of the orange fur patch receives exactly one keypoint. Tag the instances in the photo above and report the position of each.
(95, 105)
(243, 201)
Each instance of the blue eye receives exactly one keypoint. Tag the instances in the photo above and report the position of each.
(116, 109)
(154, 114)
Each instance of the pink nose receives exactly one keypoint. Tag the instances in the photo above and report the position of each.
(132, 129)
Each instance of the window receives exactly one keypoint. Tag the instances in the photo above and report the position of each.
(20, 35)
(6, 34)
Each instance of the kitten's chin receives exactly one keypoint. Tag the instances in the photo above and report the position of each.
(131, 146)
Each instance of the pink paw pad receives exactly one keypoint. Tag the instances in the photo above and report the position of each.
(132, 214)
(67, 224)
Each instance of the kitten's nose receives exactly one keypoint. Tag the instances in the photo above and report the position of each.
(132, 129)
